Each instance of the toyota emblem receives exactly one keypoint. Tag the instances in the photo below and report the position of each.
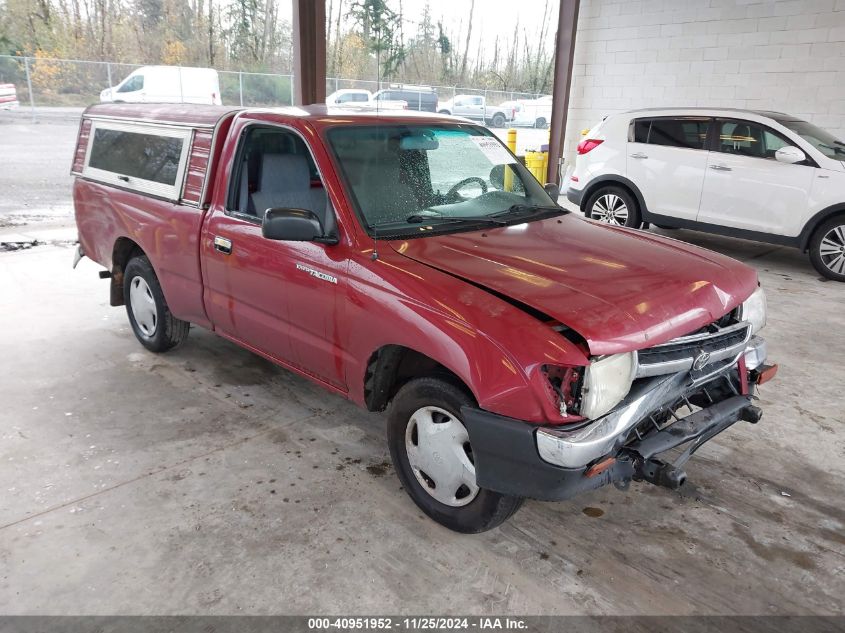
(701, 361)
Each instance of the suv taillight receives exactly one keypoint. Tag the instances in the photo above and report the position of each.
(588, 144)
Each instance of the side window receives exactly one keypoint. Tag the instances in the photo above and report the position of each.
(133, 85)
(640, 131)
(773, 143)
(476, 101)
(275, 169)
(687, 133)
(141, 157)
(745, 138)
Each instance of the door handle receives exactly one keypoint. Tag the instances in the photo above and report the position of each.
(222, 244)
(720, 168)
(639, 155)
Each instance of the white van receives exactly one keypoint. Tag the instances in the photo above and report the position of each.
(166, 84)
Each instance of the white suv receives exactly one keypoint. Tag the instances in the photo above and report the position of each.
(762, 176)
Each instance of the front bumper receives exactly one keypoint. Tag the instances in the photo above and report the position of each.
(549, 463)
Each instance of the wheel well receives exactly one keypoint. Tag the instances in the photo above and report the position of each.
(609, 183)
(124, 250)
(391, 366)
(814, 224)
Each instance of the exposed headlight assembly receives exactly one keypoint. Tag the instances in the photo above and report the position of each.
(606, 382)
(754, 310)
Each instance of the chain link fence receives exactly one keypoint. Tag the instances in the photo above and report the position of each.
(50, 82)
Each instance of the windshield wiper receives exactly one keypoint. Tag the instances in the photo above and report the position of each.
(445, 219)
(527, 208)
(496, 218)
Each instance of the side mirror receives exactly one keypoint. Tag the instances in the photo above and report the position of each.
(294, 225)
(553, 190)
(790, 155)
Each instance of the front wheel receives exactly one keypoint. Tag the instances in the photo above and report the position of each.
(541, 124)
(614, 205)
(827, 249)
(431, 452)
(154, 325)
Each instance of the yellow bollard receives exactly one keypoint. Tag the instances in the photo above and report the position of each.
(508, 172)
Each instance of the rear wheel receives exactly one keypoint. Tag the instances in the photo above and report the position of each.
(498, 120)
(541, 123)
(614, 205)
(152, 322)
(431, 453)
(827, 249)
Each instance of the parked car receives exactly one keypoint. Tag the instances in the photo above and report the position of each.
(166, 84)
(415, 266)
(535, 113)
(420, 98)
(362, 100)
(475, 107)
(8, 97)
(349, 95)
(764, 176)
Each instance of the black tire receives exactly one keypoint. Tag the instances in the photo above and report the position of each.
(167, 331)
(832, 233)
(498, 120)
(488, 509)
(666, 228)
(633, 219)
(444, 112)
(541, 124)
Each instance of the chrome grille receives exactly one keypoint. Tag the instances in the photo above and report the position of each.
(680, 354)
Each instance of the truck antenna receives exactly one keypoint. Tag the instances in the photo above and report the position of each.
(378, 62)
(374, 256)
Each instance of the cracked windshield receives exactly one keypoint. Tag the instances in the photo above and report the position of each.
(436, 177)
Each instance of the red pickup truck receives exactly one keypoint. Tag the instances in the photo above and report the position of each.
(410, 263)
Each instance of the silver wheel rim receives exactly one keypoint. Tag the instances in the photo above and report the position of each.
(437, 446)
(143, 306)
(832, 249)
(611, 209)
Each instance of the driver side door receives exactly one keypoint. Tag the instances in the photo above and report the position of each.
(746, 187)
(282, 298)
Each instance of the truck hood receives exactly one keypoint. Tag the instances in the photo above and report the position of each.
(618, 288)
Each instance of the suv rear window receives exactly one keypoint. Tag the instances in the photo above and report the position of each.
(671, 132)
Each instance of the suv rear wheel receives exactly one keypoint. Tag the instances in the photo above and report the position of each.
(613, 205)
(430, 449)
(827, 249)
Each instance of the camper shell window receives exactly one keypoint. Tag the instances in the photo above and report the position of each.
(145, 158)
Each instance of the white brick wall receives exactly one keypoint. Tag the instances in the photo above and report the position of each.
(785, 55)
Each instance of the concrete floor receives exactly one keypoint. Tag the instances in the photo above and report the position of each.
(207, 480)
